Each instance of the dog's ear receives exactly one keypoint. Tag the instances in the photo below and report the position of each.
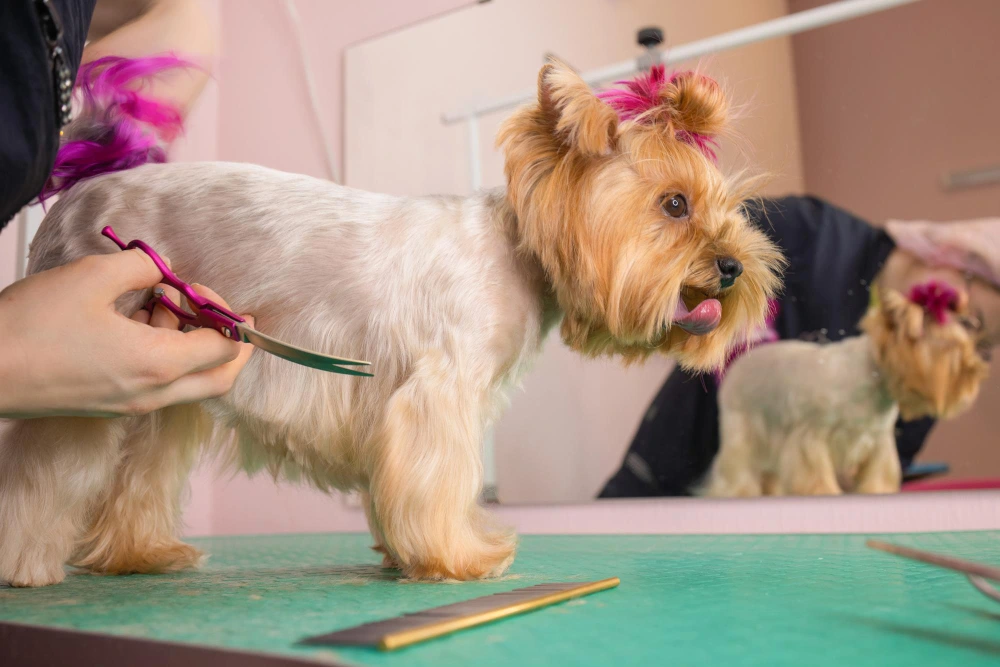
(575, 115)
(698, 105)
(901, 315)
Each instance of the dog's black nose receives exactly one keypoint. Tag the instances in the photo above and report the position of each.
(729, 269)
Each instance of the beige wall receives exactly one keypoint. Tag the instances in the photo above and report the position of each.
(889, 103)
(566, 431)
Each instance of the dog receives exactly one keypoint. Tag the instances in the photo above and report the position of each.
(616, 225)
(802, 418)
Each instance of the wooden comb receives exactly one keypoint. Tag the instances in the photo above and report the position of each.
(976, 573)
(408, 629)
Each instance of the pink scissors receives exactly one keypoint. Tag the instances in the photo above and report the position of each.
(209, 314)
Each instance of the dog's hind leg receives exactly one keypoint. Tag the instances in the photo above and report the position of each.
(427, 478)
(52, 472)
(881, 473)
(136, 527)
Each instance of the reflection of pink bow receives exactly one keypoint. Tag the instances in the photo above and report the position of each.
(767, 334)
(936, 298)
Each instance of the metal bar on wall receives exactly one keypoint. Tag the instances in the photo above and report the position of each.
(810, 19)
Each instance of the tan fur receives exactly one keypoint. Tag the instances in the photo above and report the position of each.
(592, 219)
(449, 297)
(801, 418)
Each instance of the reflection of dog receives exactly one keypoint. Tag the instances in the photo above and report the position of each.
(616, 220)
(808, 419)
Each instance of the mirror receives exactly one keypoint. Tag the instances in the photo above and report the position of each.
(886, 117)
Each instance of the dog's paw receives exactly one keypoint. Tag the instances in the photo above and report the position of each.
(175, 557)
(489, 559)
(501, 568)
(388, 562)
(33, 574)
(149, 559)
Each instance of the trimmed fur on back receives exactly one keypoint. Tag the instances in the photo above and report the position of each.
(118, 127)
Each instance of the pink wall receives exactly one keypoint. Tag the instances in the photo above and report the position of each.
(896, 99)
(265, 111)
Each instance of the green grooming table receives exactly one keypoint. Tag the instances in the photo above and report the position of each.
(706, 600)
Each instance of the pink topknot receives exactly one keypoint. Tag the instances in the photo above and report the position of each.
(643, 95)
(937, 298)
(118, 128)
(640, 95)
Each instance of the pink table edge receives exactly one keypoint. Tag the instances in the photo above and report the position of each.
(899, 513)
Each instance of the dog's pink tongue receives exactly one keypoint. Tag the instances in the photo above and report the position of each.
(700, 321)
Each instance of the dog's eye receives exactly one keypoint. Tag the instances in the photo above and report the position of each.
(675, 206)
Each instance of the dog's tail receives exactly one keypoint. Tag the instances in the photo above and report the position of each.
(117, 127)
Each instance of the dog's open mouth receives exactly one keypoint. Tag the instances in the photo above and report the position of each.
(701, 319)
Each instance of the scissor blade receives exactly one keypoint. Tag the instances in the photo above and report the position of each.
(297, 355)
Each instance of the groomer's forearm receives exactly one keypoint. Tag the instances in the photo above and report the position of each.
(162, 26)
(12, 365)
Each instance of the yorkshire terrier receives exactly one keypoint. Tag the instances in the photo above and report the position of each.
(801, 418)
(616, 222)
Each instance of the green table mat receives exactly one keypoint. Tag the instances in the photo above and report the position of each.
(683, 600)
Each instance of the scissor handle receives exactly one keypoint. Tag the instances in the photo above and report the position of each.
(207, 313)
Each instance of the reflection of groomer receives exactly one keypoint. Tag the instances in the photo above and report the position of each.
(833, 259)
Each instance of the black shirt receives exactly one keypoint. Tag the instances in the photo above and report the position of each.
(29, 124)
(833, 258)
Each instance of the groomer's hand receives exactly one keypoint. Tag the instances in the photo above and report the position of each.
(65, 350)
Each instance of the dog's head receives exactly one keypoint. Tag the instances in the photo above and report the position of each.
(644, 240)
(926, 347)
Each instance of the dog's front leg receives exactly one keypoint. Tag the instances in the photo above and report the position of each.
(736, 470)
(376, 531)
(881, 473)
(52, 472)
(805, 467)
(427, 477)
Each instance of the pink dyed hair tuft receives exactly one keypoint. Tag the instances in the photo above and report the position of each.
(118, 128)
(936, 298)
(642, 95)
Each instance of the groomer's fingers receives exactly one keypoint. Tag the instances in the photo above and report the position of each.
(180, 354)
(209, 294)
(110, 276)
(141, 316)
(162, 317)
(201, 385)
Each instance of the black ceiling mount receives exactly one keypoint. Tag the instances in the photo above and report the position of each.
(649, 37)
